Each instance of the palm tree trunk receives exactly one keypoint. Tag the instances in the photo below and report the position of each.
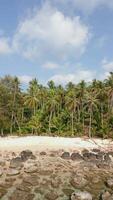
(90, 123)
(102, 120)
(50, 116)
(2, 132)
(72, 123)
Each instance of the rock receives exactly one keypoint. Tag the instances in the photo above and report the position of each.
(96, 150)
(2, 163)
(85, 151)
(106, 157)
(3, 191)
(51, 195)
(13, 172)
(65, 155)
(79, 195)
(100, 155)
(16, 163)
(102, 165)
(43, 153)
(21, 195)
(31, 169)
(67, 191)
(105, 196)
(1, 172)
(31, 180)
(76, 156)
(78, 182)
(89, 156)
(110, 183)
(27, 154)
(110, 153)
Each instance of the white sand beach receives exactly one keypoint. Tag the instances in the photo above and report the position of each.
(44, 143)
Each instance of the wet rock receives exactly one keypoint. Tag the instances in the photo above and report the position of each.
(27, 154)
(13, 172)
(79, 195)
(51, 195)
(76, 156)
(16, 163)
(110, 183)
(65, 155)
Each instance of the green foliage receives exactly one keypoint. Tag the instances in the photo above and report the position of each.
(74, 110)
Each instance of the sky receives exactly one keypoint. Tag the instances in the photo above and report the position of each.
(59, 40)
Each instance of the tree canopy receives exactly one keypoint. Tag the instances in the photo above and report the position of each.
(73, 110)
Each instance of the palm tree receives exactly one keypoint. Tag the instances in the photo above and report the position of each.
(32, 98)
(72, 104)
(51, 105)
(91, 104)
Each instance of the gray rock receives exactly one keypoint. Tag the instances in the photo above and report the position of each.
(16, 163)
(79, 195)
(65, 155)
(76, 156)
(27, 154)
(89, 156)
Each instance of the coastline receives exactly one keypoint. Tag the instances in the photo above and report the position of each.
(44, 143)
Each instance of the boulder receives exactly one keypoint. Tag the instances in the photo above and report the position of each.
(89, 156)
(16, 163)
(65, 155)
(76, 156)
(79, 195)
(27, 154)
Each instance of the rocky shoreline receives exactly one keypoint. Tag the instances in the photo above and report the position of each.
(56, 175)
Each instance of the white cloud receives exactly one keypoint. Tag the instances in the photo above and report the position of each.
(50, 65)
(86, 6)
(107, 66)
(50, 34)
(25, 79)
(76, 77)
(4, 46)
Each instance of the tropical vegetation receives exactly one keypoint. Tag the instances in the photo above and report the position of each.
(74, 110)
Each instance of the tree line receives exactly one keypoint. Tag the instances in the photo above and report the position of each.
(73, 110)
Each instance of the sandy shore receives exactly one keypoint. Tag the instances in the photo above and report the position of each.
(43, 143)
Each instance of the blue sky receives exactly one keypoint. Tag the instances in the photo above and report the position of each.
(62, 40)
